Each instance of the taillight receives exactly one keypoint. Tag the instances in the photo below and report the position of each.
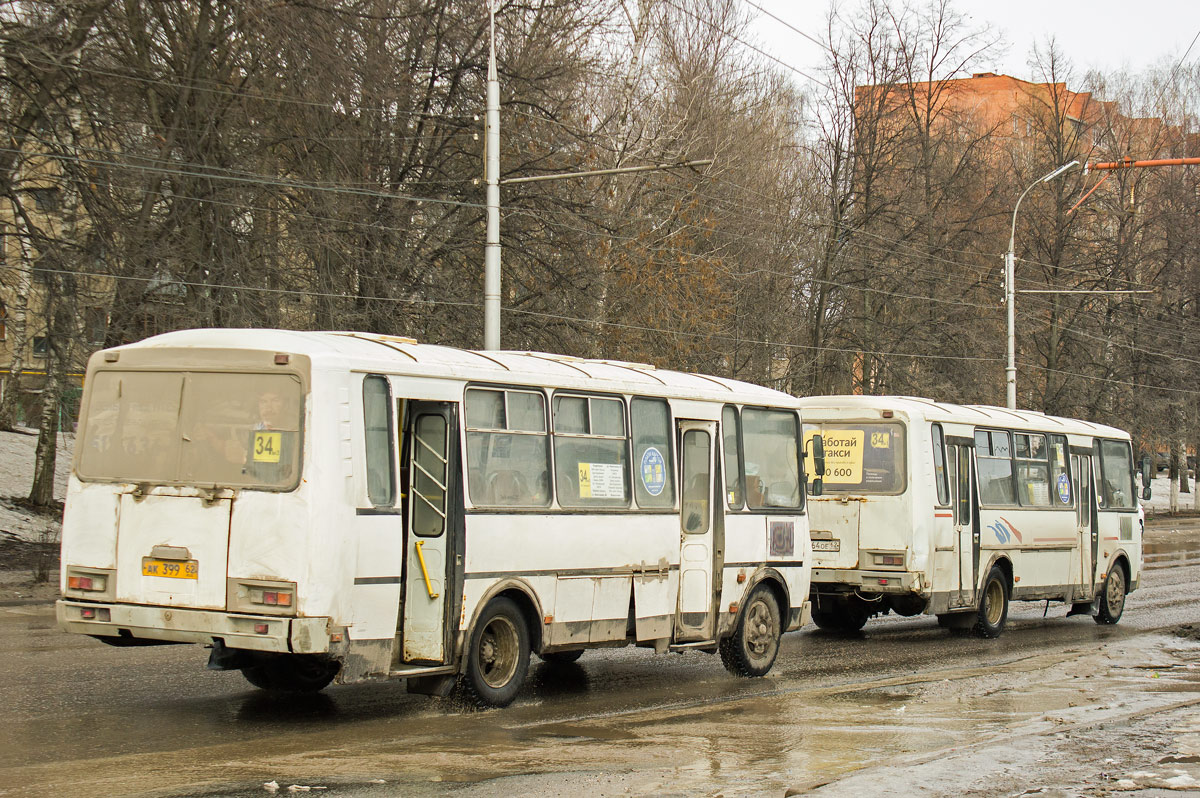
(272, 598)
(94, 583)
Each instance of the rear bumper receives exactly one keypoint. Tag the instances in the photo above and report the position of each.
(867, 581)
(283, 635)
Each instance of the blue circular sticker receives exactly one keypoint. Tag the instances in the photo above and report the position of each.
(654, 471)
(1064, 489)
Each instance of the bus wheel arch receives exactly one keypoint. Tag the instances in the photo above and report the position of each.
(778, 586)
(525, 597)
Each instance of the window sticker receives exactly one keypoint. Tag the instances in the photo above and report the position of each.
(843, 453)
(880, 440)
(1064, 488)
(654, 472)
(601, 481)
(267, 446)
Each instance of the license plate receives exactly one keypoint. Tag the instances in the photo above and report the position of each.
(827, 545)
(172, 569)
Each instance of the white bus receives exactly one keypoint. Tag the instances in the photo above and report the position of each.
(955, 510)
(342, 505)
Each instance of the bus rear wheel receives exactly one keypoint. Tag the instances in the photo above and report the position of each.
(1112, 596)
(753, 646)
(993, 605)
(498, 657)
(291, 673)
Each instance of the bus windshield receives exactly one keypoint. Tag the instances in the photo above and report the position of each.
(866, 457)
(192, 428)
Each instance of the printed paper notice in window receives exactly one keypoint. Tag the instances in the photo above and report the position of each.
(601, 481)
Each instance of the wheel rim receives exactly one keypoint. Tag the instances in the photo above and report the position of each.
(994, 597)
(499, 650)
(1115, 591)
(762, 631)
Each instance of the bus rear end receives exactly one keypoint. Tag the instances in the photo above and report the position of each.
(185, 517)
(864, 560)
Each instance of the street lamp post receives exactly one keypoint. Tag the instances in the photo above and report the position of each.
(1010, 291)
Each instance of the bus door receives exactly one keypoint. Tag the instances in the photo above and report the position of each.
(1089, 541)
(966, 528)
(695, 616)
(435, 519)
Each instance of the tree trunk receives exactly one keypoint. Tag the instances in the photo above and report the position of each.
(46, 456)
(42, 492)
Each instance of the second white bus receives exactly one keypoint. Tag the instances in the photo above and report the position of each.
(955, 510)
(316, 506)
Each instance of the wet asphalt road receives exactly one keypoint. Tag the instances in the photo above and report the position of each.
(79, 715)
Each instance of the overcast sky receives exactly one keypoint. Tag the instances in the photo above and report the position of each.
(1101, 34)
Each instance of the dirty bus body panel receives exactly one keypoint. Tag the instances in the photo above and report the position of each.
(954, 510)
(339, 505)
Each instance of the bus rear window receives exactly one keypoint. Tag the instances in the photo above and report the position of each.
(863, 457)
(192, 428)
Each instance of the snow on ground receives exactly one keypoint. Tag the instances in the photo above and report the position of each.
(1160, 496)
(16, 478)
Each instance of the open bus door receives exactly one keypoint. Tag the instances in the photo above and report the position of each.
(433, 511)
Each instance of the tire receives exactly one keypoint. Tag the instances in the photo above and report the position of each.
(292, 673)
(1112, 596)
(752, 648)
(562, 657)
(993, 605)
(498, 657)
(841, 616)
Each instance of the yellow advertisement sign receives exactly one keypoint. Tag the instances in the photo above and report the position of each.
(843, 454)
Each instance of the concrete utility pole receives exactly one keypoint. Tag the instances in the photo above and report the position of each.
(491, 261)
(1010, 287)
(491, 176)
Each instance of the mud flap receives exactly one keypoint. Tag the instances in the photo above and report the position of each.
(224, 658)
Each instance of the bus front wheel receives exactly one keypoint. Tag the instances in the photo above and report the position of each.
(753, 646)
(498, 657)
(291, 673)
(993, 605)
(1112, 596)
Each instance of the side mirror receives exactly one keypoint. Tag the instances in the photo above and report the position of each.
(1146, 493)
(818, 456)
(1147, 474)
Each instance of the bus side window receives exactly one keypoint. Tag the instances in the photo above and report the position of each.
(507, 454)
(731, 437)
(429, 475)
(939, 466)
(377, 438)
(964, 485)
(654, 474)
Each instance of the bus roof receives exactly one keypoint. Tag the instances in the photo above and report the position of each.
(357, 351)
(916, 407)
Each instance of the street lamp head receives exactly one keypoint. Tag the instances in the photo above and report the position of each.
(1065, 167)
